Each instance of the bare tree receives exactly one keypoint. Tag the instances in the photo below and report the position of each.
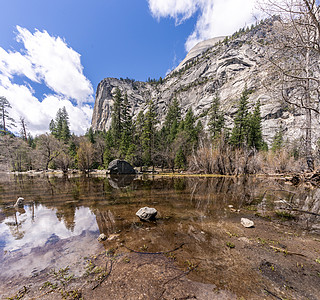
(48, 148)
(295, 55)
(99, 148)
(85, 156)
(15, 154)
(64, 160)
(23, 129)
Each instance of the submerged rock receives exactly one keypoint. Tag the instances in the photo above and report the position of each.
(102, 237)
(19, 202)
(147, 213)
(247, 223)
(118, 166)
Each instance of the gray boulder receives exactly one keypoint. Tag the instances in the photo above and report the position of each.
(118, 166)
(147, 213)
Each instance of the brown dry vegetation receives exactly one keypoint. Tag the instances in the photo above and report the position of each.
(223, 160)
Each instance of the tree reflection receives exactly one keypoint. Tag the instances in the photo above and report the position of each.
(178, 197)
(16, 226)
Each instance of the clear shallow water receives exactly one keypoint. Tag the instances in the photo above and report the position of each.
(62, 217)
(38, 226)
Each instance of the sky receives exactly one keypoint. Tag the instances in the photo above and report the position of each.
(55, 53)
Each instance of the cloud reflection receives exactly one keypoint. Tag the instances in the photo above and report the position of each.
(30, 233)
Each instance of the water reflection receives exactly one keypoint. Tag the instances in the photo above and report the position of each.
(120, 181)
(58, 209)
(25, 231)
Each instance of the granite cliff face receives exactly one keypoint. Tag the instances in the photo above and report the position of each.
(215, 66)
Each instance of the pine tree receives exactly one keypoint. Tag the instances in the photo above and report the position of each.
(138, 137)
(180, 159)
(116, 124)
(59, 127)
(255, 139)
(241, 121)
(190, 128)
(90, 135)
(5, 119)
(149, 133)
(65, 130)
(216, 119)
(277, 142)
(127, 127)
(172, 121)
(52, 128)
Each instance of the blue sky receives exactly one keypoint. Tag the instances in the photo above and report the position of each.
(54, 53)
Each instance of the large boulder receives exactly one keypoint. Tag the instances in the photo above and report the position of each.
(118, 166)
(147, 213)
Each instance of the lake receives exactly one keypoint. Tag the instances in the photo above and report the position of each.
(63, 217)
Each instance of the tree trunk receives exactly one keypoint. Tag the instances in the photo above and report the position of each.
(3, 121)
(308, 146)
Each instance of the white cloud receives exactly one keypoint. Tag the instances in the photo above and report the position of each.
(216, 17)
(47, 60)
(180, 10)
(56, 64)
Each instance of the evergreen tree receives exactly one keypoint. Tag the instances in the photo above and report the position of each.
(90, 135)
(241, 121)
(189, 127)
(65, 130)
(277, 142)
(116, 124)
(52, 128)
(60, 127)
(5, 119)
(216, 119)
(180, 159)
(127, 128)
(72, 149)
(172, 121)
(149, 133)
(138, 136)
(255, 139)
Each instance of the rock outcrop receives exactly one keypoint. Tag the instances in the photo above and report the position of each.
(212, 67)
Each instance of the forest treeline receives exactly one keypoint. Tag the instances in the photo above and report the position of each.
(290, 41)
(180, 143)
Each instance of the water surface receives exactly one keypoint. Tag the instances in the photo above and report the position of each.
(62, 217)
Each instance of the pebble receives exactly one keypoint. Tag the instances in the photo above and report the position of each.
(102, 237)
